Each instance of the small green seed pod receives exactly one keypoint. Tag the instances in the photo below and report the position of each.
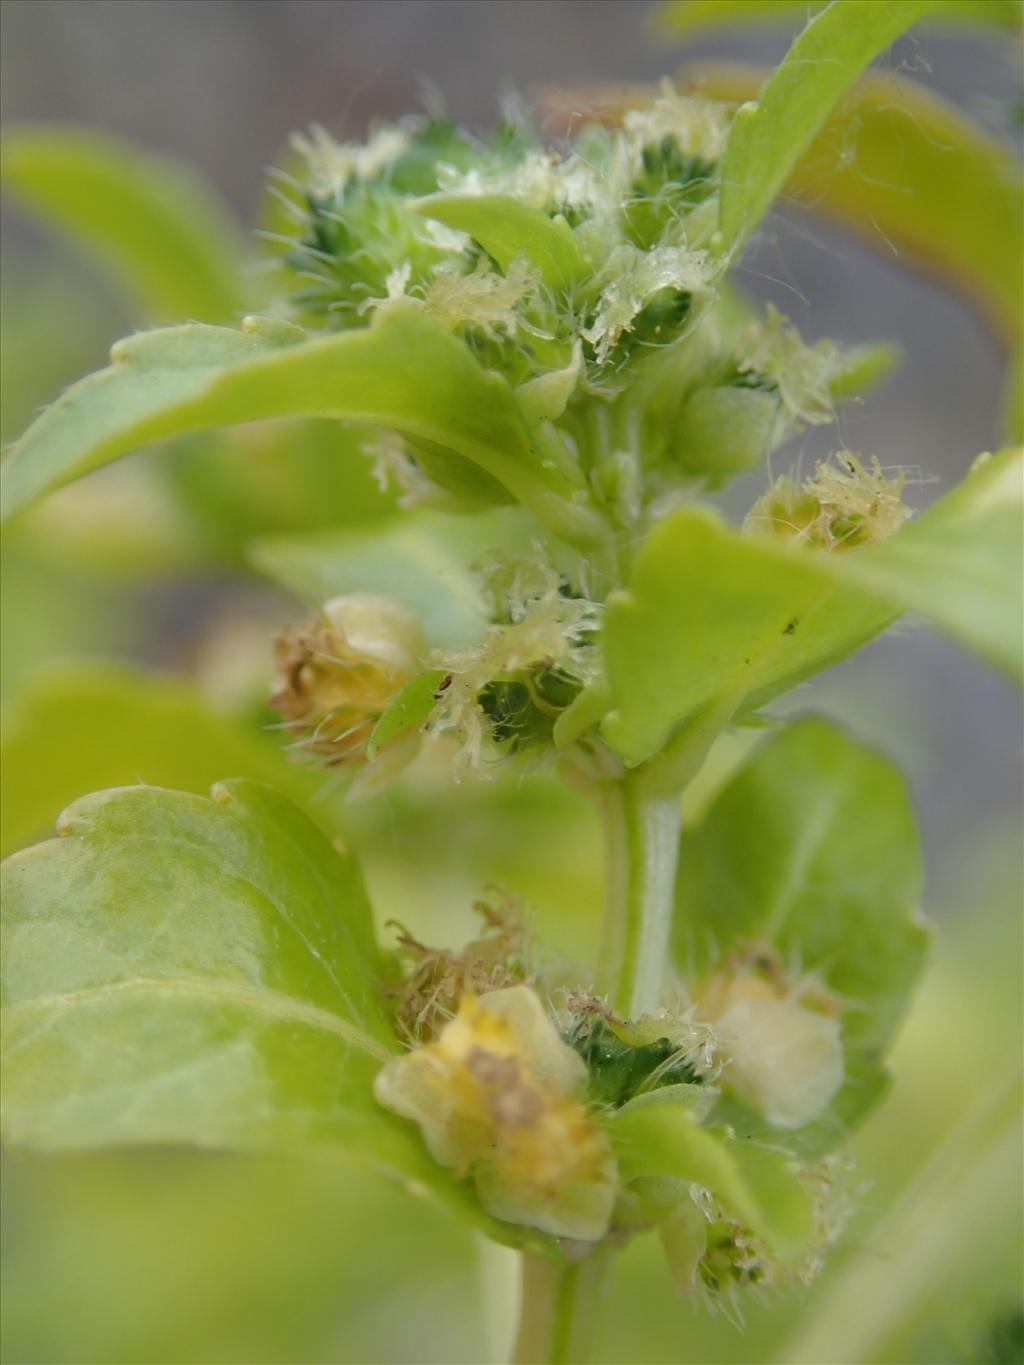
(725, 431)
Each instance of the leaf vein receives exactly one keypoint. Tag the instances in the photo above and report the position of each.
(270, 1003)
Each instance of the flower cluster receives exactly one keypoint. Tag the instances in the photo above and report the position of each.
(523, 1102)
(338, 673)
(720, 1262)
(503, 696)
(386, 220)
(583, 273)
(495, 1096)
(588, 282)
(844, 506)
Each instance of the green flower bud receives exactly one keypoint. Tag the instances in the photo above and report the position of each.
(725, 431)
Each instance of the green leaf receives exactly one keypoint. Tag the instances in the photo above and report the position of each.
(161, 384)
(81, 727)
(411, 707)
(768, 138)
(949, 1242)
(162, 233)
(712, 620)
(404, 371)
(905, 169)
(686, 18)
(757, 1185)
(272, 478)
(202, 971)
(959, 563)
(909, 170)
(812, 847)
(507, 229)
(192, 970)
(424, 558)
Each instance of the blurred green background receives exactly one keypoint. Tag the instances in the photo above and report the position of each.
(135, 647)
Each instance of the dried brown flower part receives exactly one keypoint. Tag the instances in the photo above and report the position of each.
(438, 978)
(338, 673)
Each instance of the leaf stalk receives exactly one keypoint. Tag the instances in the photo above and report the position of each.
(559, 1308)
(641, 850)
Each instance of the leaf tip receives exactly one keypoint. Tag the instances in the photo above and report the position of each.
(745, 112)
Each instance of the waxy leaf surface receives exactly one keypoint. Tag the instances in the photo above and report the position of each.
(686, 18)
(713, 619)
(961, 562)
(78, 728)
(403, 372)
(508, 229)
(768, 138)
(410, 708)
(185, 969)
(714, 622)
(181, 969)
(756, 1184)
(884, 165)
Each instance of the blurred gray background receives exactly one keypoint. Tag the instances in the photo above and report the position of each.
(221, 82)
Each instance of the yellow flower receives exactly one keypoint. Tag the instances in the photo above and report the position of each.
(494, 1097)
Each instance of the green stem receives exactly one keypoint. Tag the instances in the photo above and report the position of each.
(682, 758)
(641, 845)
(559, 1308)
(641, 828)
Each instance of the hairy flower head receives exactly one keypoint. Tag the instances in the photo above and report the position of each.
(844, 506)
(331, 165)
(506, 692)
(481, 297)
(583, 273)
(370, 229)
(803, 375)
(437, 978)
(633, 280)
(339, 672)
(720, 1262)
